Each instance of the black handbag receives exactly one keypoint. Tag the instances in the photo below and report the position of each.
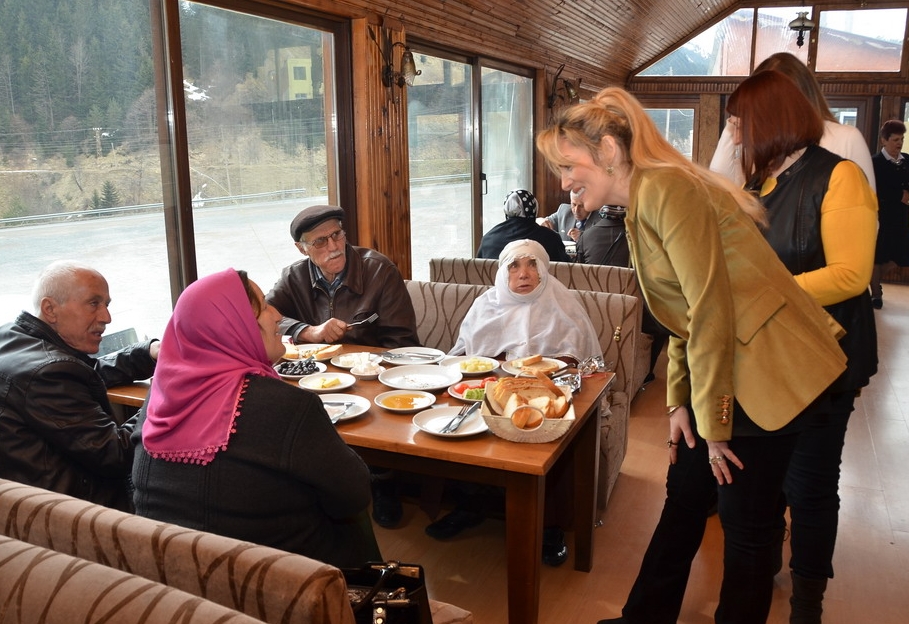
(388, 593)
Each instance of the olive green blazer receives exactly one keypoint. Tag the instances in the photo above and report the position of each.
(742, 326)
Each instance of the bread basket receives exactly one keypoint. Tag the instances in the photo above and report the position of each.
(551, 428)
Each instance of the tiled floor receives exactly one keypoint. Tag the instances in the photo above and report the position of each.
(871, 560)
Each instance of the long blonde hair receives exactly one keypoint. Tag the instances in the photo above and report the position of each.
(616, 113)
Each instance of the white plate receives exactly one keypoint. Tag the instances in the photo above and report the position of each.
(421, 400)
(312, 382)
(347, 360)
(420, 377)
(369, 377)
(360, 405)
(433, 420)
(474, 383)
(456, 361)
(320, 368)
(437, 356)
(305, 349)
(509, 368)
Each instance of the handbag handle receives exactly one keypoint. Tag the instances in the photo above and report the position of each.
(386, 571)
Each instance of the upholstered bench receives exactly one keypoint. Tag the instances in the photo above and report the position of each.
(266, 584)
(42, 585)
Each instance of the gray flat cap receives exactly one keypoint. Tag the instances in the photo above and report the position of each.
(311, 216)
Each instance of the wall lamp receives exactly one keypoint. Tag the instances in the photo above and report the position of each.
(562, 88)
(408, 71)
(801, 25)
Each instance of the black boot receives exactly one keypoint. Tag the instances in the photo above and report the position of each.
(807, 598)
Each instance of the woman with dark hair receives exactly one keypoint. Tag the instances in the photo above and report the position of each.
(822, 224)
(228, 447)
(891, 167)
(842, 139)
(750, 351)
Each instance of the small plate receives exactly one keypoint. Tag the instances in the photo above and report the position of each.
(314, 382)
(509, 367)
(360, 405)
(433, 420)
(320, 368)
(473, 383)
(437, 356)
(420, 377)
(458, 362)
(370, 377)
(410, 400)
(348, 360)
(306, 349)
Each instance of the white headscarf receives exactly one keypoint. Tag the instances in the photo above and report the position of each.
(549, 320)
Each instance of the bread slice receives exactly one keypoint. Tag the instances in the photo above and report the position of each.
(527, 361)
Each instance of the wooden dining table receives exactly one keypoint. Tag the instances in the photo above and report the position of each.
(389, 439)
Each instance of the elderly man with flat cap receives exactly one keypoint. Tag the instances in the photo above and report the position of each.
(338, 284)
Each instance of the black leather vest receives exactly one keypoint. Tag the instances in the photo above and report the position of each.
(794, 211)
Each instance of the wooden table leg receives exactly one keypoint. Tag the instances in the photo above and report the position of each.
(524, 545)
(586, 456)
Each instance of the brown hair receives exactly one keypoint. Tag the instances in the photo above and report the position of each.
(894, 126)
(775, 120)
(790, 65)
(250, 293)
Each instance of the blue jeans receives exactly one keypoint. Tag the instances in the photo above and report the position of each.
(749, 513)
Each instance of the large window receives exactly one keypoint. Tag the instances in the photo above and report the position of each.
(80, 171)
(869, 40)
(458, 190)
(79, 166)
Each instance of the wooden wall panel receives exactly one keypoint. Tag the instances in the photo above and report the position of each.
(380, 138)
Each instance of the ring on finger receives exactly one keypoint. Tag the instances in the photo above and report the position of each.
(716, 459)
(670, 443)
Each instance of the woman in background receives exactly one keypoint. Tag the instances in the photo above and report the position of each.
(749, 350)
(228, 447)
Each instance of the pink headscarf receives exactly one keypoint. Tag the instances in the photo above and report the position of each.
(211, 343)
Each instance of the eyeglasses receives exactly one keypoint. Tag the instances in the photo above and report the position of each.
(319, 243)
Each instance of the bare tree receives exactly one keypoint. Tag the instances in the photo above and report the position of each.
(80, 60)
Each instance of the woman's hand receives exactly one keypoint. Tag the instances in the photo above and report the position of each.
(720, 455)
(679, 428)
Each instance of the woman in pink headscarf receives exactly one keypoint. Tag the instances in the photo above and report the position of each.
(228, 447)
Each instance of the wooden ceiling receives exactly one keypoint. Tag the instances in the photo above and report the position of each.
(601, 41)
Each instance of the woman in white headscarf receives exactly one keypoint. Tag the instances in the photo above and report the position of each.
(526, 312)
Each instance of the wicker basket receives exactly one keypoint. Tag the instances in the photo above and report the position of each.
(551, 428)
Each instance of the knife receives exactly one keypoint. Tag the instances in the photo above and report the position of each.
(462, 417)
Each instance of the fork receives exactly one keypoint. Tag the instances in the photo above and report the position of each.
(371, 319)
(409, 355)
(461, 416)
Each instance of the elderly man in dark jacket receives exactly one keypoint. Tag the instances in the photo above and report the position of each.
(520, 222)
(338, 284)
(57, 431)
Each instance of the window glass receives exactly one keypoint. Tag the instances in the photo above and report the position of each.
(867, 40)
(261, 143)
(507, 139)
(440, 131)
(774, 35)
(724, 49)
(846, 115)
(80, 171)
(677, 126)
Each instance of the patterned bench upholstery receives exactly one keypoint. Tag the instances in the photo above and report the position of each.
(441, 307)
(602, 278)
(266, 584)
(42, 585)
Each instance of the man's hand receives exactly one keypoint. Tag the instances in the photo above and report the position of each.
(546, 223)
(153, 349)
(330, 331)
(574, 234)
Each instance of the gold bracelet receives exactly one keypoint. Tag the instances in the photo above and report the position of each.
(671, 409)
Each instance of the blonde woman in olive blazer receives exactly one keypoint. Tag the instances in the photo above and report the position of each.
(751, 352)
